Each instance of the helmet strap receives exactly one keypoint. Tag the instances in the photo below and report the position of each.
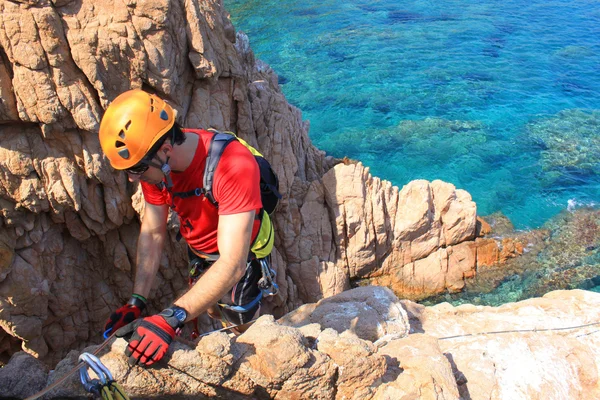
(166, 170)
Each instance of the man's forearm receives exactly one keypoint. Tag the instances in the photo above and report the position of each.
(209, 289)
(149, 252)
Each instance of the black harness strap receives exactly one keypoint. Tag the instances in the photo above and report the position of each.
(195, 192)
(218, 143)
(217, 146)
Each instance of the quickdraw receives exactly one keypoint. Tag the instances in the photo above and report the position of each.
(81, 364)
(105, 386)
(267, 284)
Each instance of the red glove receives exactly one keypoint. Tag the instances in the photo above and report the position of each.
(149, 338)
(125, 315)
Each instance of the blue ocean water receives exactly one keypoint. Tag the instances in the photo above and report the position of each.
(497, 97)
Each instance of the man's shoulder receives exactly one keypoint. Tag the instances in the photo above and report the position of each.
(196, 130)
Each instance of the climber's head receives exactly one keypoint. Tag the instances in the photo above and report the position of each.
(134, 126)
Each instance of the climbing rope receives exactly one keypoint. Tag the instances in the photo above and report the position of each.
(105, 386)
(80, 365)
(522, 330)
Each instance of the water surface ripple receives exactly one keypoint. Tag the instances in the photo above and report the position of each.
(496, 97)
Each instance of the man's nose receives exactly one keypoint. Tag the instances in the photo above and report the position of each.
(133, 177)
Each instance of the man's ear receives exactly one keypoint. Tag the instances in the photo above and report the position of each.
(166, 148)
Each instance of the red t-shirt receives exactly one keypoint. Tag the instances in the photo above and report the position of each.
(236, 187)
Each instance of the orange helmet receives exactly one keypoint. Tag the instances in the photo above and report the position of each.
(131, 125)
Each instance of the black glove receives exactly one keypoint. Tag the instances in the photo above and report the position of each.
(149, 338)
(125, 315)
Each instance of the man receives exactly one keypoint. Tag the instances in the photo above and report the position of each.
(138, 134)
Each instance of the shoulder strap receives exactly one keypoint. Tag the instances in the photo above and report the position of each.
(218, 144)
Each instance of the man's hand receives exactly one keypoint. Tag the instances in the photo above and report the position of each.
(149, 338)
(125, 314)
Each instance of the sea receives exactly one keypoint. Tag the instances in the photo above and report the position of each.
(499, 98)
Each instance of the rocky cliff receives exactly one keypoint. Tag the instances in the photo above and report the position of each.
(69, 222)
(367, 344)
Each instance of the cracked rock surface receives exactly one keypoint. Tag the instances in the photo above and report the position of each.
(535, 349)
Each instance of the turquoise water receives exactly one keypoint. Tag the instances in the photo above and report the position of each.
(496, 97)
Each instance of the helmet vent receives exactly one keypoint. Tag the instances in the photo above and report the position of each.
(122, 134)
(124, 153)
(122, 149)
(127, 125)
(164, 116)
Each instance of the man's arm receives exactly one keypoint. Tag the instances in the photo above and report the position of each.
(150, 246)
(233, 238)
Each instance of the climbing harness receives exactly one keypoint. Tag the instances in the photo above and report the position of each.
(266, 284)
(105, 386)
(267, 287)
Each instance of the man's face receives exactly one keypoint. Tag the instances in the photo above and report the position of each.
(152, 175)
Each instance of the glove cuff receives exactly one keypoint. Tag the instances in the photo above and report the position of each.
(137, 301)
(175, 316)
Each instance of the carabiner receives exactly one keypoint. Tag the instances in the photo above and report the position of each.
(96, 365)
(267, 283)
(100, 386)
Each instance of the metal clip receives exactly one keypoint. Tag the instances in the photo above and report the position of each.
(267, 283)
(94, 385)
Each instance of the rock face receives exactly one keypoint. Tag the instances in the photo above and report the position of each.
(69, 222)
(518, 351)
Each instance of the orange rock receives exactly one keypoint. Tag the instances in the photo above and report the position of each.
(509, 249)
(487, 252)
(483, 228)
(519, 247)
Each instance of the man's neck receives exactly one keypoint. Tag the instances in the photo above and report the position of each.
(183, 154)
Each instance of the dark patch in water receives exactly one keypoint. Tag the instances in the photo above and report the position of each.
(495, 41)
(372, 7)
(439, 81)
(511, 278)
(537, 144)
(568, 178)
(444, 17)
(505, 28)
(337, 56)
(490, 52)
(282, 80)
(572, 87)
(477, 77)
(590, 283)
(359, 104)
(309, 12)
(404, 17)
(382, 108)
(497, 160)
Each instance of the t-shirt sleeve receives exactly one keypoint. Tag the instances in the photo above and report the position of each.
(236, 183)
(152, 194)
